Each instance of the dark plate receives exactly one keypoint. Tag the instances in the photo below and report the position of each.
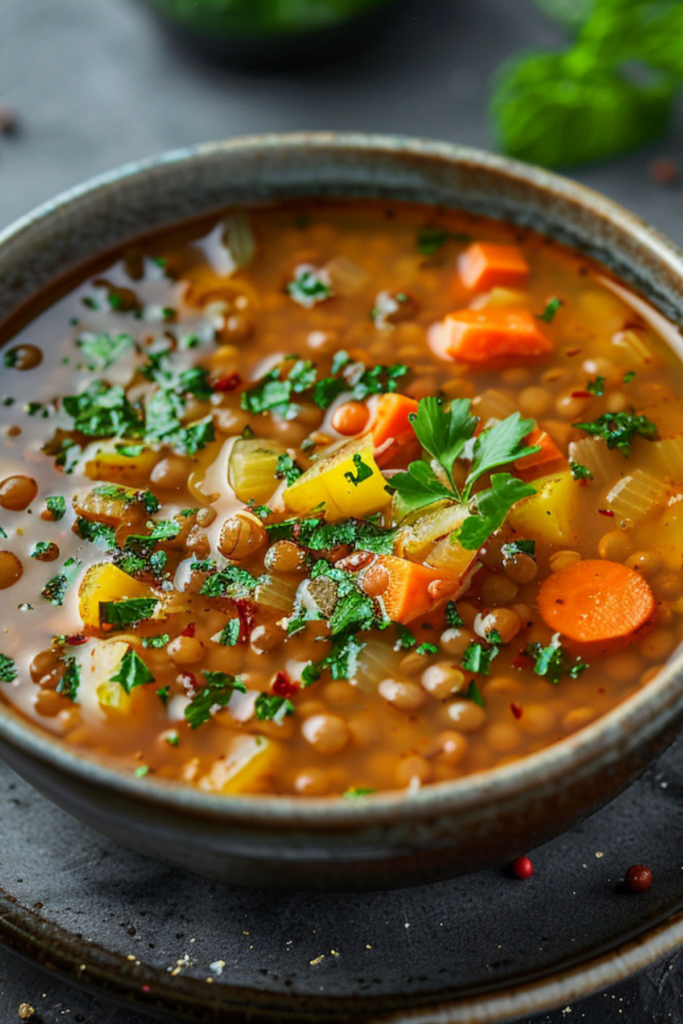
(482, 948)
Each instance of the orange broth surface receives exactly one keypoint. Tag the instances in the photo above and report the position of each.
(216, 565)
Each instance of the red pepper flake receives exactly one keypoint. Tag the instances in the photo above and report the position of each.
(189, 630)
(516, 710)
(606, 512)
(581, 394)
(283, 686)
(573, 352)
(189, 681)
(522, 660)
(76, 640)
(229, 383)
(639, 878)
(246, 613)
(146, 989)
(663, 171)
(522, 868)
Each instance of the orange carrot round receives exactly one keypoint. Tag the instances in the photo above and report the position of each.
(350, 418)
(595, 600)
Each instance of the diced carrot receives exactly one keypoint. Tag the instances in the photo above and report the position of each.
(411, 590)
(350, 418)
(389, 417)
(595, 601)
(482, 335)
(548, 460)
(486, 265)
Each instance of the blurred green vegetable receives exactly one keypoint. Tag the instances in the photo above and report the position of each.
(572, 12)
(610, 91)
(261, 17)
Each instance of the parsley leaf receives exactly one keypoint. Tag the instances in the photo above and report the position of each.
(55, 589)
(597, 386)
(218, 690)
(362, 471)
(478, 658)
(618, 429)
(453, 619)
(500, 444)
(287, 469)
(444, 434)
(102, 410)
(491, 508)
(548, 314)
(101, 350)
(580, 472)
(97, 533)
(8, 669)
(156, 642)
(231, 582)
(132, 672)
(327, 389)
(127, 612)
(427, 648)
(475, 694)
(56, 504)
(431, 238)
(553, 662)
(518, 547)
(71, 679)
(406, 639)
(270, 708)
(419, 486)
(309, 286)
(230, 633)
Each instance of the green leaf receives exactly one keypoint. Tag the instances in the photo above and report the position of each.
(270, 708)
(362, 471)
(518, 547)
(619, 429)
(453, 619)
(231, 582)
(309, 287)
(218, 690)
(418, 487)
(430, 238)
(97, 533)
(500, 444)
(55, 589)
(71, 679)
(42, 548)
(127, 612)
(475, 694)
(406, 639)
(444, 434)
(101, 350)
(355, 792)
(326, 390)
(377, 380)
(553, 662)
(230, 633)
(478, 658)
(580, 472)
(156, 642)
(548, 314)
(563, 109)
(492, 506)
(597, 386)
(102, 410)
(164, 529)
(427, 648)
(132, 672)
(287, 469)
(56, 504)
(8, 669)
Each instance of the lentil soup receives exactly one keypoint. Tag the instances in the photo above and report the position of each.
(334, 498)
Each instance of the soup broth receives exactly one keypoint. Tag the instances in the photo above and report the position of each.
(337, 497)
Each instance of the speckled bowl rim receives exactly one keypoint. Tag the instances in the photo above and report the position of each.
(639, 717)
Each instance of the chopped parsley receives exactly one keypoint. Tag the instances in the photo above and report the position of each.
(427, 648)
(518, 547)
(309, 286)
(55, 589)
(628, 376)
(287, 469)
(553, 662)
(8, 669)
(128, 611)
(71, 679)
(355, 792)
(548, 314)
(478, 658)
(132, 672)
(430, 238)
(101, 350)
(97, 533)
(273, 392)
(580, 472)
(217, 692)
(102, 410)
(231, 582)
(164, 694)
(475, 694)
(56, 504)
(597, 386)
(44, 550)
(619, 429)
(406, 638)
(157, 642)
(230, 633)
(270, 708)
(453, 619)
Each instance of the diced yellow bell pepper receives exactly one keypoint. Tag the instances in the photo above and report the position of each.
(349, 483)
(550, 513)
(106, 582)
(115, 467)
(246, 764)
(106, 661)
(252, 466)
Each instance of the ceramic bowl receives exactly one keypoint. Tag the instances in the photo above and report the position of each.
(392, 839)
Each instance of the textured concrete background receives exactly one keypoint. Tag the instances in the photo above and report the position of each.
(95, 84)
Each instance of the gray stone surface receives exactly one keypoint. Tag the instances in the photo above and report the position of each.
(96, 84)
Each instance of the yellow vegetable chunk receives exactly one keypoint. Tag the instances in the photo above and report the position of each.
(550, 513)
(251, 469)
(118, 468)
(243, 769)
(106, 662)
(107, 508)
(106, 582)
(348, 482)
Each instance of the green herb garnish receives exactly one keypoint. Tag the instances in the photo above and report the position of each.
(270, 708)
(217, 692)
(132, 671)
(56, 504)
(8, 669)
(619, 429)
(548, 314)
(128, 611)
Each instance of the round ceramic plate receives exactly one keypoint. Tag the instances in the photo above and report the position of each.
(482, 948)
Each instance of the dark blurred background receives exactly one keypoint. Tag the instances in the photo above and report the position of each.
(87, 85)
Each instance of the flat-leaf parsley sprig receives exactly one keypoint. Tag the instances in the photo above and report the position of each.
(448, 434)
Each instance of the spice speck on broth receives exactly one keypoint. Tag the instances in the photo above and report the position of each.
(308, 499)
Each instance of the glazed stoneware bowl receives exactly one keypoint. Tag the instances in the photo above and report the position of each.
(385, 840)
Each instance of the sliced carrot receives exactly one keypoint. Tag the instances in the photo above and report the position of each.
(486, 265)
(410, 590)
(595, 601)
(389, 417)
(350, 418)
(548, 460)
(482, 335)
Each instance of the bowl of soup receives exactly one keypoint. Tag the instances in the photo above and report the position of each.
(341, 500)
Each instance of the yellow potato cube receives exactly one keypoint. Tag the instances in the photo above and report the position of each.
(248, 761)
(118, 468)
(349, 483)
(550, 513)
(106, 582)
